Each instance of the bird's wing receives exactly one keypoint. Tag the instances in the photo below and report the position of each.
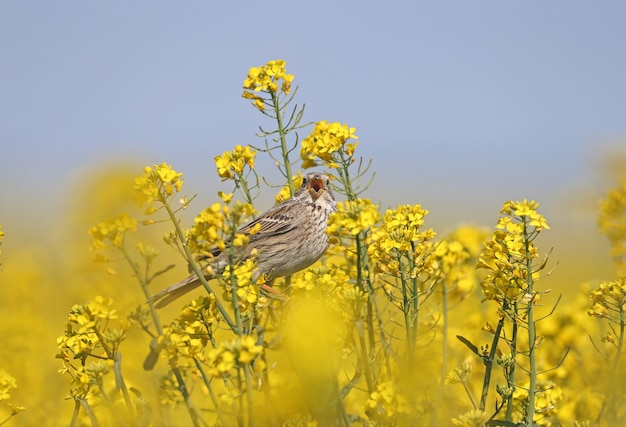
(279, 220)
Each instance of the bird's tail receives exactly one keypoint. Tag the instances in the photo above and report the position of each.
(177, 290)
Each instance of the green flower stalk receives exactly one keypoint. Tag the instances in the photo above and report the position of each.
(510, 259)
(269, 88)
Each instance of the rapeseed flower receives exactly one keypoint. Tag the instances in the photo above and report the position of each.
(233, 162)
(157, 182)
(328, 142)
(267, 79)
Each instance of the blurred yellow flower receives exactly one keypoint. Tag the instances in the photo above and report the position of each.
(1, 236)
(612, 222)
(473, 418)
(459, 375)
(7, 383)
(112, 231)
(387, 401)
(232, 354)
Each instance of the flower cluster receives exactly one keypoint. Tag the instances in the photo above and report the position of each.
(507, 254)
(328, 142)
(352, 218)
(88, 333)
(234, 354)
(233, 162)
(473, 418)
(157, 182)
(7, 384)
(326, 277)
(216, 225)
(83, 335)
(547, 402)
(401, 235)
(459, 375)
(387, 402)
(187, 336)
(452, 259)
(612, 222)
(113, 231)
(267, 78)
(609, 300)
(242, 277)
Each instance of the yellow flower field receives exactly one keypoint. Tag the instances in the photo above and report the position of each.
(397, 325)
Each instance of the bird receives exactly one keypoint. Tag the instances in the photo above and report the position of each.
(288, 238)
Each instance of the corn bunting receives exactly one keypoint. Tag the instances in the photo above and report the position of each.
(291, 237)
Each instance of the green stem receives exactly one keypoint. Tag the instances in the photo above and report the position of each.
(405, 309)
(345, 178)
(612, 390)
(89, 412)
(489, 365)
(182, 387)
(511, 374)
(143, 281)
(240, 181)
(248, 378)
(469, 394)
(282, 132)
(207, 382)
(186, 397)
(194, 266)
(530, 414)
(415, 300)
(75, 413)
(444, 354)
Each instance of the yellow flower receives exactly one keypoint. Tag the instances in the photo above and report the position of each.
(7, 383)
(100, 307)
(113, 231)
(609, 299)
(511, 247)
(387, 400)
(353, 217)
(473, 418)
(157, 182)
(247, 289)
(267, 79)
(612, 222)
(285, 192)
(328, 142)
(230, 355)
(233, 162)
(459, 375)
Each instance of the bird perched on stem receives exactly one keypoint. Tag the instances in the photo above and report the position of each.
(288, 238)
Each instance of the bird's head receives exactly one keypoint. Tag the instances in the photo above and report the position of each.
(316, 184)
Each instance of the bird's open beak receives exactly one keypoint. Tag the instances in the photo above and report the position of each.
(316, 188)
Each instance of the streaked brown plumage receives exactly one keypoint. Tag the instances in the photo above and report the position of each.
(292, 237)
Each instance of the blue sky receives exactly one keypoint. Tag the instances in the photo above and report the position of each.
(462, 105)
